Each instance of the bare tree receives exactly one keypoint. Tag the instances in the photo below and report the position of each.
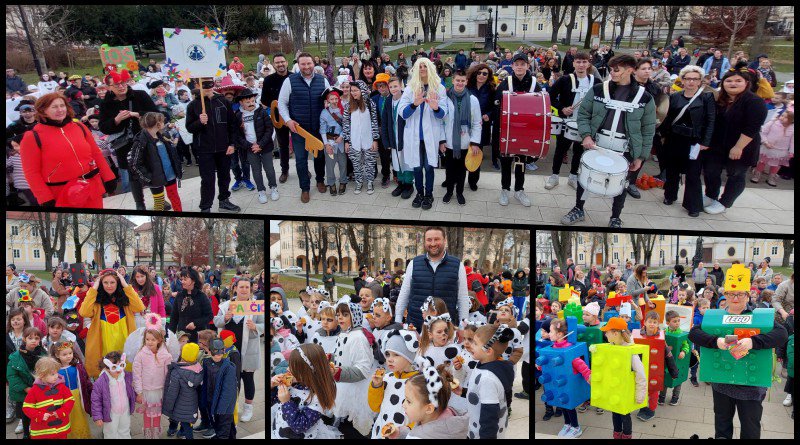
(49, 227)
(209, 224)
(621, 14)
(362, 254)
(557, 15)
(322, 241)
(103, 230)
(592, 14)
(298, 16)
(758, 42)
(573, 12)
(121, 235)
(429, 15)
(373, 19)
(455, 241)
(671, 14)
(487, 240)
(634, 14)
(603, 18)
(636, 242)
(331, 12)
(788, 247)
(159, 226)
(648, 243)
(562, 245)
(77, 241)
(48, 25)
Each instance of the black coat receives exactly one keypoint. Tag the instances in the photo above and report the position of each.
(197, 311)
(388, 136)
(219, 133)
(263, 127)
(745, 116)
(561, 95)
(703, 112)
(17, 128)
(272, 87)
(139, 102)
(145, 161)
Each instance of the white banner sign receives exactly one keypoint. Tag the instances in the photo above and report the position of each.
(200, 52)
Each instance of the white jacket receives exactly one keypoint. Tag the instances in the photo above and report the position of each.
(475, 127)
(432, 128)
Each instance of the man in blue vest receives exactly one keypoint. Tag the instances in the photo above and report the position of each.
(434, 274)
(300, 102)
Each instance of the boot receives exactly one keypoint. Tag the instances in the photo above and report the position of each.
(617, 434)
(548, 413)
(756, 178)
(625, 436)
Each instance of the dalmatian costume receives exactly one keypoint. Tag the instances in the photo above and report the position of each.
(320, 337)
(519, 331)
(485, 388)
(463, 374)
(394, 389)
(440, 354)
(381, 334)
(353, 351)
(286, 340)
(298, 402)
(476, 317)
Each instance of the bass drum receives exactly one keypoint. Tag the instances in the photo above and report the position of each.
(525, 124)
(603, 172)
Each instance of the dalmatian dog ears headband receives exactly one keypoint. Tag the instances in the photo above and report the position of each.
(115, 367)
(384, 302)
(305, 359)
(322, 291)
(477, 323)
(310, 290)
(509, 302)
(323, 305)
(409, 338)
(275, 307)
(427, 304)
(356, 315)
(429, 319)
(503, 334)
(277, 322)
(433, 382)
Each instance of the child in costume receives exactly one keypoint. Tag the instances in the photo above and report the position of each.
(77, 382)
(19, 372)
(35, 314)
(545, 335)
(219, 390)
(75, 321)
(330, 130)
(617, 333)
(590, 318)
(392, 128)
(651, 329)
(353, 364)
(303, 409)
(286, 340)
(487, 410)
(437, 339)
(48, 403)
(361, 132)
(204, 338)
(476, 309)
(674, 327)
(149, 375)
(386, 390)
(180, 391)
(507, 314)
(380, 324)
(56, 332)
(327, 335)
(253, 138)
(427, 408)
(113, 397)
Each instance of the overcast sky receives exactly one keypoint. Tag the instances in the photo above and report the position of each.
(273, 225)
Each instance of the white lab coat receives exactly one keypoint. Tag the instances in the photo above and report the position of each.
(432, 128)
(475, 127)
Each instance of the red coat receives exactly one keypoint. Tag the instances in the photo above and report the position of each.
(472, 276)
(214, 308)
(40, 401)
(237, 66)
(67, 153)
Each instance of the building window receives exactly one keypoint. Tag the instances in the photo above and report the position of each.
(683, 253)
(301, 244)
(661, 254)
(462, 8)
(580, 239)
(505, 6)
(524, 26)
(774, 250)
(416, 14)
(443, 28)
(462, 28)
(580, 257)
(482, 8)
(661, 237)
(541, 9)
(503, 27)
(616, 256)
(731, 251)
(756, 251)
(416, 30)
(442, 14)
(540, 27)
(576, 25)
(36, 253)
(616, 239)
(525, 9)
(16, 253)
(15, 230)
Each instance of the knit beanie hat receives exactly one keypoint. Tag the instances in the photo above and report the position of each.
(189, 352)
(592, 308)
(402, 342)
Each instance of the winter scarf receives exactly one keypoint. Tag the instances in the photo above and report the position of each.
(460, 118)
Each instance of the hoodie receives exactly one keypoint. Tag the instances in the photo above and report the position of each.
(519, 283)
(282, 293)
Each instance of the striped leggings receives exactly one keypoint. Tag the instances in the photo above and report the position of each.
(172, 192)
(364, 162)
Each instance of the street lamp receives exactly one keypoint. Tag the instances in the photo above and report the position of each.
(138, 235)
(652, 27)
(580, 31)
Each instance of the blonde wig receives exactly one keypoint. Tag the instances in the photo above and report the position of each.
(415, 83)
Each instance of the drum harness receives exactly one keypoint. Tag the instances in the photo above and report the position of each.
(579, 91)
(517, 160)
(611, 136)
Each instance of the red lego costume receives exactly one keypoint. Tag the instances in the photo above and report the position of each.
(65, 154)
(56, 400)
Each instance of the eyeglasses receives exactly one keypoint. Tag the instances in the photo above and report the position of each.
(483, 73)
(691, 79)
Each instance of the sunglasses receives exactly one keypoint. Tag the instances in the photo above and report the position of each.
(483, 73)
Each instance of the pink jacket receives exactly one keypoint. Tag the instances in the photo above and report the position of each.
(578, 365)
(782, 138)
(157, 302)
(147, 372)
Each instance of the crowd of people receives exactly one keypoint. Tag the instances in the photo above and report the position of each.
(701, 288)
(425, 352)
(94, 349)
(714, 114)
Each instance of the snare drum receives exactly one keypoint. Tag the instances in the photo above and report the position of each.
(611, 142)
(556, 126)
(603, 172)
(571, 131)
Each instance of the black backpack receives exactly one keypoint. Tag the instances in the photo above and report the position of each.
(476, 286)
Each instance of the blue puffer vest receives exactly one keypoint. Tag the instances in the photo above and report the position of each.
(305, 102)
(425, 282)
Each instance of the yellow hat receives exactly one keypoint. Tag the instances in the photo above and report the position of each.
(189, 352)
(737, 279)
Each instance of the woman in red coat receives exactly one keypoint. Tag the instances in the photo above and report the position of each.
(60, 159)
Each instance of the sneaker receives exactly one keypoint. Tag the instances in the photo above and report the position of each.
(228, 206)
(473, 187)
(332, 189)
(572, 181)
(695, 383)
(551, 182)
(788, 400)
(11, 413)
(370, 188)
(210, 433)
(262, 197)
(645, 414)
(503, 197)
(756, 178)
(342, 188)
(417, 202)
(599, 410)
(522, 395)
(548, 413)
(444, 184)
(171, 432)
(662, 400)
(772, 180)
(200, 426)
(707, 201)
(250, 186)
(574, 433)
(715, 208)
(564, 430)
(496, 165)
(19, 429)
(531, 167)
(615, 223)
(398, 190)
(559, 412)
(674, 400)
(522, 198)
(427, 202)
(634, 191)
(460, 199)
(582, 407)
(446, 198)
(246, 413)
(385, 183)
(357, 191)
(167, 206)
(573, 216)
(273, 193)
(236, 186)
(407, 191)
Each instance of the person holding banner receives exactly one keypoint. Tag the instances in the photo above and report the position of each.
(300, 102)
(213, 124)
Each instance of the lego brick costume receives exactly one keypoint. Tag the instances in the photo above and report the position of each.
(110, 326)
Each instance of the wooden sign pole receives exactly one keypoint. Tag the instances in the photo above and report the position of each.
(202, 96)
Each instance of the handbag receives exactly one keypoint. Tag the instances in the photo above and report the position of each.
(683, 129)
(124, 137)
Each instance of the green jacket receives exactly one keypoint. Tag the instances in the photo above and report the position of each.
(326, 277)
(640, 124)
(18, 376)
(518, 285)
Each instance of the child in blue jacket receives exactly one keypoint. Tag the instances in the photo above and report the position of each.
(219, 383)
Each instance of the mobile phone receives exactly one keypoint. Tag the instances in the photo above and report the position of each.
(731, 339)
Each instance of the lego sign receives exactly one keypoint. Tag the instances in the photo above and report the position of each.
(247, 307)
(737, 319)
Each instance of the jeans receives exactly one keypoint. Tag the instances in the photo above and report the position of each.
(340, 160)
(283, 147)
(240, 164)
(423, 165)
(212, 164)
(259, 161)
(125, 178)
